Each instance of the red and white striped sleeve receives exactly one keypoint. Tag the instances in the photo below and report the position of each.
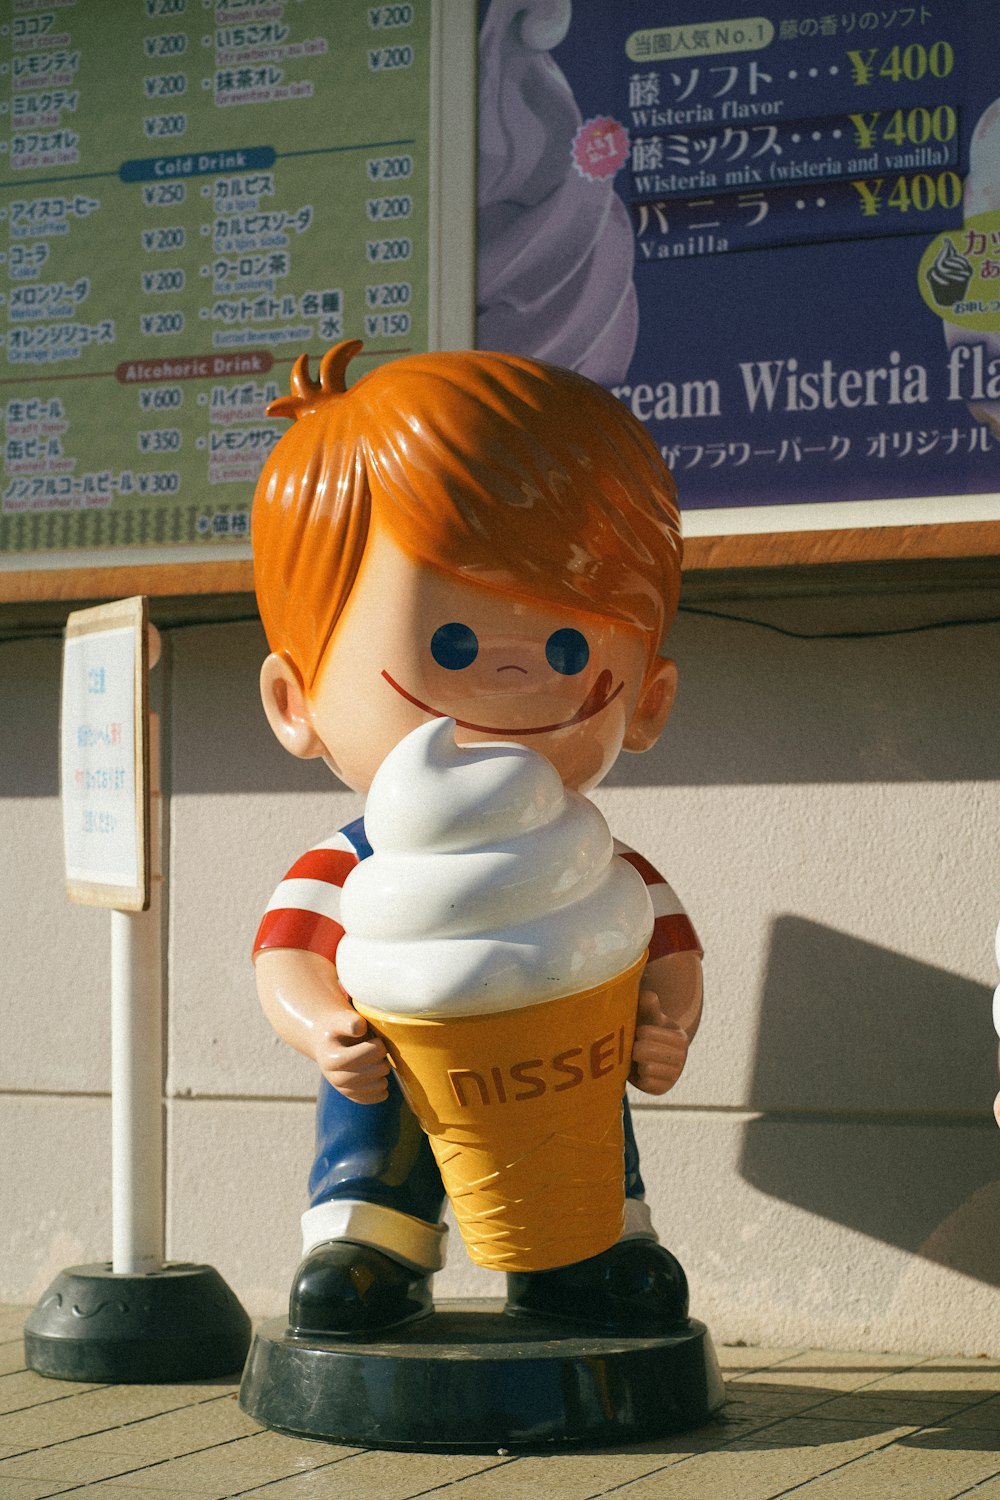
(304, 911)
(673, 931)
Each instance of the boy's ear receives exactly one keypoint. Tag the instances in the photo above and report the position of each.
(287, 708)
(656, 699)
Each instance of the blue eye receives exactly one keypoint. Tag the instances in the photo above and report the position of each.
(454, 646)
(566, 651)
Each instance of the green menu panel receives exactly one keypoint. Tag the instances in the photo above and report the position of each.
(194, 192)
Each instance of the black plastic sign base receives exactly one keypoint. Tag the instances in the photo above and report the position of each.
(179, 1323)
(470, 1376)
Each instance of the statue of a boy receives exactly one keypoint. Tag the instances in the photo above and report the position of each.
(492, 539)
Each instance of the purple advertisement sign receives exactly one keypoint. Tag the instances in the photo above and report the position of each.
(775, 235)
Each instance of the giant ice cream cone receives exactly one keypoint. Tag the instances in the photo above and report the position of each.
(523, 1110)
(496, 944)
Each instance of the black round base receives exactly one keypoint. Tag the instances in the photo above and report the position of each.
(179, 1323)
(472, 1377)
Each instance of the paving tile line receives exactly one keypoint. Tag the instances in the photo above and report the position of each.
(750, 1432)
(150, 1467)
(723, 1441)
(914, 1397)
(677, 1461)
(914, 1431)
(878, 1375)
(157, 1463)
(450, 1484)
(115, 1426)
(490, 1468)
(890, 1395)
(266, 1484)
(52, 1400)
(723, 1444)
(882, 1448)
(505, 1462)
(771, 1364)
(977, 1488)
(848, 1463)
(743, 1377)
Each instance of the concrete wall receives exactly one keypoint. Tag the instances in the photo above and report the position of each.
(827, 1170)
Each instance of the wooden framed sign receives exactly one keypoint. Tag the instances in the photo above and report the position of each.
(104, 759)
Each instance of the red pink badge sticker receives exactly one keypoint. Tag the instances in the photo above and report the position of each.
(600, 147)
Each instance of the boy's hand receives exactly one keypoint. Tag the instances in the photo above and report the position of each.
(660, 1050)
(352, 1057)
(303, 1001)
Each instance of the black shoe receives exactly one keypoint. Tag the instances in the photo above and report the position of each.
(636, 1287)
(342, 1288)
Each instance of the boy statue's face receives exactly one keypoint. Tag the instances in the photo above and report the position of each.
(414, 643)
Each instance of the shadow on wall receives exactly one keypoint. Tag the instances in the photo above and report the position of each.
(875, 1076)
(30, 673)
(758, 709)
(218, 740)
(754, 709)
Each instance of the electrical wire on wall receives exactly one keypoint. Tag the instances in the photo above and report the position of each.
(684, 609)
(838, 635)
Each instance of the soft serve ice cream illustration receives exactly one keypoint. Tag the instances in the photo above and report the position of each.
(556, 248)
(495, 942)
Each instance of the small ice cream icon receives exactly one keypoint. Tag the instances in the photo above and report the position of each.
(982, 199)
(949, 275)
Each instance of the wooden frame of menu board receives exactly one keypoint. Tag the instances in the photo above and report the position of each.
(929, 540)
(923, 541)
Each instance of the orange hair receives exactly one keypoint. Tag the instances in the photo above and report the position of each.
(513, 474)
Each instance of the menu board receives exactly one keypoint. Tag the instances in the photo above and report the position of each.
(194, 193)
(773, 231)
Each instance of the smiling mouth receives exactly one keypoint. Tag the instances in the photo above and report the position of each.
(600, 695)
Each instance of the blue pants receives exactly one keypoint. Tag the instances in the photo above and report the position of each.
(377, 1153)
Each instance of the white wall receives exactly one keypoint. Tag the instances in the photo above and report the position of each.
(828, 1169)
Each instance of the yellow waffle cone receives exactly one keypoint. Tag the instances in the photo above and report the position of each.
(523, 1110)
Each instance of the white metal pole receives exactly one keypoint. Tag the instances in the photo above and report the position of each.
(137, 1066)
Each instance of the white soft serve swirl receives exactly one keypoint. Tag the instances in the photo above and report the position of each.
(490, 886)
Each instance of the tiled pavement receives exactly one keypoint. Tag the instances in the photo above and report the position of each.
(807, 1423)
